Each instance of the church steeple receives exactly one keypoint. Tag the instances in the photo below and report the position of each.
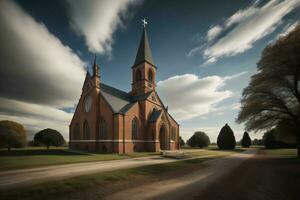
(95, 67)
(143, 69)
(144, 51)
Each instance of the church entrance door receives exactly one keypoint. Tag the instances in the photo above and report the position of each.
(163, 138)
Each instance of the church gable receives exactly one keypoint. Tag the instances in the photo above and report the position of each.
(119, 121)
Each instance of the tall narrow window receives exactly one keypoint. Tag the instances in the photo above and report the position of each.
(103, 129)
(138, 75)
(134, 128)
(76, 132)
(173, 133)
(150, 75)
(86, 130)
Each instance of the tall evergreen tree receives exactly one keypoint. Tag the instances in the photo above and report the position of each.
(246, 140)
(226, 139)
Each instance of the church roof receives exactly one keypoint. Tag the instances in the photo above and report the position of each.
(144, 51)
(120, 101)
(155, 115)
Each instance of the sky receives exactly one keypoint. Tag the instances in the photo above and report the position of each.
(205, 53)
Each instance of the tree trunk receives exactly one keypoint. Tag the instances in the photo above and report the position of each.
(8, 148)
(48, 146)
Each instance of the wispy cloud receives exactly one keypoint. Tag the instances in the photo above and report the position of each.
(244, 28)
(194, 96)
(39, 74)
(97, 20)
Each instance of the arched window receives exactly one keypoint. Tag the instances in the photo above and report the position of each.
(150, 75)
(76, 131)
(103, 129)
(86, 130)
(173, 133)
(138, 75)
(134, 128)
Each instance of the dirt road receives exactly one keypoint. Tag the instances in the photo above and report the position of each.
(15, 178)
(187, 186)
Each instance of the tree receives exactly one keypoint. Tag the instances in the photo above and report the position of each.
(226, 139)
(181, 141)
(12, 134)
(199, 139)
(272, 98)
(49, 137)
(246, 140)
(270, 141)
(258, 142)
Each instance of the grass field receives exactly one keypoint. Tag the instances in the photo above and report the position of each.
(37, 156)
(285, 153)
(55, 189)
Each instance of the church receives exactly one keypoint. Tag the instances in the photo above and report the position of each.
(107, 119)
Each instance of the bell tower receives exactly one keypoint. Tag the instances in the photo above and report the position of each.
(143, 70)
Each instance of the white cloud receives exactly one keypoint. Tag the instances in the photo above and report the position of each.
(213, 32)
(245, 27)
(287, 29)
(97, 20)
(35, 65)
(39, 74)
(35, 117)
(189, 96)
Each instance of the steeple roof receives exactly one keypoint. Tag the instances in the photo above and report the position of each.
(144, 51)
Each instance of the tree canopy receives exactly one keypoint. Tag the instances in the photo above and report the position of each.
(272, 97)
(49, 137)
(226, 139)
(12, 134)
(199, 139)
(246, 140)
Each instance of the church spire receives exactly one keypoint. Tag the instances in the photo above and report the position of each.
(95, 67)
(144, 51)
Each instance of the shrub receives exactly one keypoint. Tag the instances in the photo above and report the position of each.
(49, 137)
(199, 139)
(12, 134)
(226, 139)
(246, 140)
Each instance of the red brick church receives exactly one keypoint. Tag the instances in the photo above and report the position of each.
(107, 119)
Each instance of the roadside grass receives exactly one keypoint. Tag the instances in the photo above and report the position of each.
(283, 153)
(54, 189)
(39, 156)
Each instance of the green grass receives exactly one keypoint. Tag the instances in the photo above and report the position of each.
(36, 157)
(285, 153)
(52, 190)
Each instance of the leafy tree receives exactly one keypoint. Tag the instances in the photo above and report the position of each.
(269, 140)
(258, 142)
(12, 134)
(272, 98)
(199, 139)
(49, 137)
(226, 139)
(246, 140)
(181, 141)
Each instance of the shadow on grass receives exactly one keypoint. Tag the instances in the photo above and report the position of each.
(230, 150)
(32, 152)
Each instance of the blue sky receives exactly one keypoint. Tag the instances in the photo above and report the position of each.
(205, 53)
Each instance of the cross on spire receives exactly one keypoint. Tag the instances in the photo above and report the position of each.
(144, 22)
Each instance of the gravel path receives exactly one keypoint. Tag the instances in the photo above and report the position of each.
(187, 186)
(15, 178)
